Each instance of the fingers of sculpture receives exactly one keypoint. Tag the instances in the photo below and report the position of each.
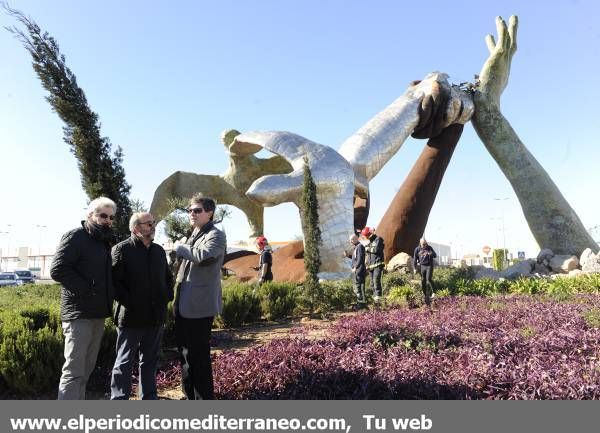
(507, 37)
(433, 112)
(513, 24)
(495, 71)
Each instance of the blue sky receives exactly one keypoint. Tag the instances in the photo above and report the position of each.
(167, 77)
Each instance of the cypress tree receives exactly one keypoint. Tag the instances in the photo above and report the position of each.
(102, 174)
(312, 236)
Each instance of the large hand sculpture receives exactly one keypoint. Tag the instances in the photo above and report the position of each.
(361, 157)
(374, 144)
(333, 177)
(553, 222)
(229, 188)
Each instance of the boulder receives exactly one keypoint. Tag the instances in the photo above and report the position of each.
(587, 256)
(400, 262)
(519, 269)
(480, 272)
(564, 263)
(540, 269)
(591, 265)
(545, 256)
(575, 273)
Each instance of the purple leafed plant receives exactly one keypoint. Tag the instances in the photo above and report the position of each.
(514, 347)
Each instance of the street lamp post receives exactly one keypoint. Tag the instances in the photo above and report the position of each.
(40, 227)
(1, 233)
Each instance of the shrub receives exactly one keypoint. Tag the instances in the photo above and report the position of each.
(482, 287)
(447, 278)
(395, 279)
(498, 259)
(30, 356)
(337, 295)
(591, 317)
(404, 296)
(277, 300)
(240, 305)
(529, 286)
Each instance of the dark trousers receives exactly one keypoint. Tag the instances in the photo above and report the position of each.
(426, 282)
(376, 274)
(358, 282)
(193, 343)
(130, 341)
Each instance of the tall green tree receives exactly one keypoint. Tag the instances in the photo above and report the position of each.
(102, 172)
(312, 237)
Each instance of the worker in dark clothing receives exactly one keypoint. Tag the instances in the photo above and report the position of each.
(266, 260)
(359, 271)
(374, 259)
(423, 256)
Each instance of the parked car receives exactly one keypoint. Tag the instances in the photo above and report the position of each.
(9, 279)
(25, 276)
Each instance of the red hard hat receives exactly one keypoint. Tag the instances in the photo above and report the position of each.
(366, 231)
(261, 241)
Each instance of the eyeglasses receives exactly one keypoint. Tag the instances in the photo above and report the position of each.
(148, 223)
(196, 210)
(104, 216)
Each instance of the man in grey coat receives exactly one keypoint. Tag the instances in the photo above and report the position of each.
(82, 264)
(198, 299)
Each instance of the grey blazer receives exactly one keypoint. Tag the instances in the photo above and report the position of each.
(200, 292)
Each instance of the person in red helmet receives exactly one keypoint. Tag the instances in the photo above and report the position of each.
(266, 260)
(374, 259)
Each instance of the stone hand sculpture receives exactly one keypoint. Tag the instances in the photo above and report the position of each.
(333, 177)
(229, 188)
(553, 222)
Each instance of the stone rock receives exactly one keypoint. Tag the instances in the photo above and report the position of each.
(520, 269)
(564, 263)
(545, 256)
(399, 262)
(587, 256)
(591, 265)
(575, 272)
(480, 272)
(540, 269)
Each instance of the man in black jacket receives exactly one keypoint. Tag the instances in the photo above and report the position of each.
(375, 263)
(143, 288)
(423, 256)
(82, 265)
(359, 271)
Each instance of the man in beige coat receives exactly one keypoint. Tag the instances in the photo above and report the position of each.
(198, 298)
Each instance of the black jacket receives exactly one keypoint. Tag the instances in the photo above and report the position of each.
(266, 258)
(358, 262)
(82, 265)
(143, 283)
(374, 251)
(424, 256)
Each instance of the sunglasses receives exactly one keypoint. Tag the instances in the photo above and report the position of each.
(196, 210)
(104, 216)
(148, 223)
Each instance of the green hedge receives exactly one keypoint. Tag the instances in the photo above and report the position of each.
(31, 340)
